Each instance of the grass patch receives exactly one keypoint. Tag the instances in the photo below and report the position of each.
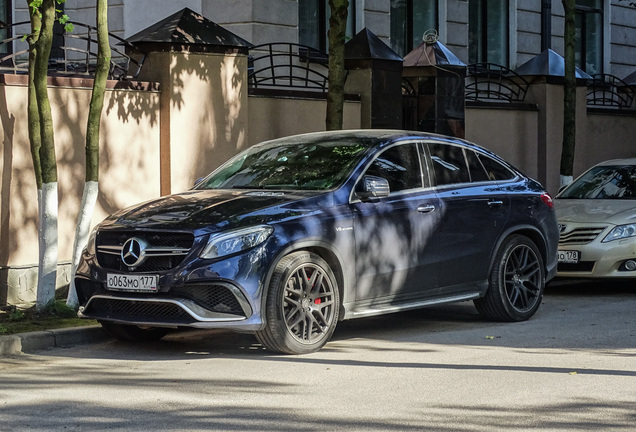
(55, 316)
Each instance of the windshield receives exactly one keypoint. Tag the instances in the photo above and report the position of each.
(604, 182)
(291, 165)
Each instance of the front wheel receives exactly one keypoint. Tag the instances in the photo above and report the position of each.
(134, 333)
(302, 305)
(516, 283)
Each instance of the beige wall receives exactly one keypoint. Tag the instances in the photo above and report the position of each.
(532, 138)
(277, 117)
(129, 162)
(203, 110)
(608, 137)
(128, 156)
(512, 134)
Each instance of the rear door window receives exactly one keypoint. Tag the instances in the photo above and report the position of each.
(449, 164)
(484, 168)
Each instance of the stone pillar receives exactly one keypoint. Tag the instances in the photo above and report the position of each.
(202, 70)
(375, 73)
(545, 74)
(437, 78)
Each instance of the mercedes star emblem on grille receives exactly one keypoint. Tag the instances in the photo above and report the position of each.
(133, 252)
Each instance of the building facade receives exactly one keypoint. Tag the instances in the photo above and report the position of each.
(505, 32)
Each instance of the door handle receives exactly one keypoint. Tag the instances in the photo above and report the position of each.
(426, 208)
(493, 204)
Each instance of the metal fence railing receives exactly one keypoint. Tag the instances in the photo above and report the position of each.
(492, 82)
(609, 91)
(287, 66)
(73, 53)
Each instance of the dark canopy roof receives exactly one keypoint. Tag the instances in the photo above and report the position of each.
(187, 27)
(548, 63)
(366, 45)
(432, 54)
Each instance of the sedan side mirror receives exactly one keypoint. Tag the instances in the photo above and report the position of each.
(373, 187)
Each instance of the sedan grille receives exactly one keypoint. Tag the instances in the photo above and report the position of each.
(580, 236)
(164, 250)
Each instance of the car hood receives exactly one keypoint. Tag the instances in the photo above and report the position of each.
(596, 211)
(215, 210)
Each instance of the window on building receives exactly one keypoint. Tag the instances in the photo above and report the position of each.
(589, 36)
(313, 23)
(488, 31)
(410, 19)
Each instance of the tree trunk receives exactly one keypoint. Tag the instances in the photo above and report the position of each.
(569, 95)
(33, 118)
(337, 73)
(91, 187)
(40, 120)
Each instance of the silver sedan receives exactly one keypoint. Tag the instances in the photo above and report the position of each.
(597, 222)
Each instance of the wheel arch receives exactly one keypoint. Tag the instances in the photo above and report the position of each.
(325, 251)
(528, 231)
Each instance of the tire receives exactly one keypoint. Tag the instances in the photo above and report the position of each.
(133, 333)
(516, 283)
(302, 305)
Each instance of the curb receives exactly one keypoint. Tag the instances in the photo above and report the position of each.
(41, 340)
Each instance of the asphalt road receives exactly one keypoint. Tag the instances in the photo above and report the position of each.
(571, 368)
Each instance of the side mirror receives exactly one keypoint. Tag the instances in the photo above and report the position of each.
(373, 187)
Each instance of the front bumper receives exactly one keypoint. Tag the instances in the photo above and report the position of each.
(600, 260)
(226, 293)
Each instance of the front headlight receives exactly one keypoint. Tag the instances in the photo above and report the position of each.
(621, 232)
(235, 241)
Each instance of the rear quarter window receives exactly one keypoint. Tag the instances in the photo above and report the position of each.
(484, 168)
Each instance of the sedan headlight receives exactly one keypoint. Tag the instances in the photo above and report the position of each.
(621, 232)
(235, 241)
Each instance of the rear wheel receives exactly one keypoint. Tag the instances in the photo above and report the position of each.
(134, 333)
(302, 305)
(517, 282)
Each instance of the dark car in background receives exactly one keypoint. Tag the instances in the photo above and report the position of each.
(296, 234)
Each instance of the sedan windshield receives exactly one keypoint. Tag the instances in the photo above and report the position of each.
(290, 165)
(604, 182)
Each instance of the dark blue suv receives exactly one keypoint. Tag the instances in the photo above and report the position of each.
(295, 234)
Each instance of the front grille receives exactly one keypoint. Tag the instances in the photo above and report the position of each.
(581, 266)
(215, 297)
(580, 236)
(176, 245)
(138, 311)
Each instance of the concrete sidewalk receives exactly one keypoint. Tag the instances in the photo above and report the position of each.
(41, 340)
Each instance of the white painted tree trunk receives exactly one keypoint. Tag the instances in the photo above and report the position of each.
(47, 240)
(89, 198)
(565, 180)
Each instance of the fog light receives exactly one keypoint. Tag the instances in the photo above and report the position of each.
(630, 265)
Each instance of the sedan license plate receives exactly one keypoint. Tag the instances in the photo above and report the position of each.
(569, 256)
(133, 283)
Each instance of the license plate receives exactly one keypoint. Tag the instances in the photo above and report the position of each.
(569, 257)
(134, 283)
